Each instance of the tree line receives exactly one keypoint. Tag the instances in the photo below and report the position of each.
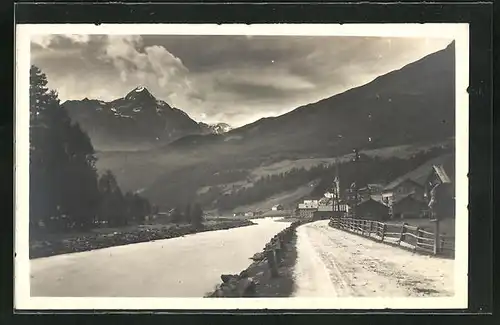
(66, 191)
(365, 171)
(192, 214)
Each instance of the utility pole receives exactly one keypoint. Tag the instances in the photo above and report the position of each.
(336, 187)
(356, 183)
(435, 218)
(437, 186)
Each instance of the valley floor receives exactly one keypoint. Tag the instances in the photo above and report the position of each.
(63, 243)
(334, 263)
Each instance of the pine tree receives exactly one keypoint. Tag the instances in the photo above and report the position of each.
(197, 216)
(63, 179)
(129, 207)
(187, 213)
(112, 207)
(176, 215)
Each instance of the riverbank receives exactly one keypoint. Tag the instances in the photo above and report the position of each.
(257, 279)
(56, 244)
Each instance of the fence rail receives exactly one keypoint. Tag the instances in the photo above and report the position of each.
(404, 235)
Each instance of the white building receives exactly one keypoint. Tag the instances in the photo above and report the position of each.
(277, 207)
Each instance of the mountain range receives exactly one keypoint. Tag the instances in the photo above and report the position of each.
(415, 104)
(136, 121)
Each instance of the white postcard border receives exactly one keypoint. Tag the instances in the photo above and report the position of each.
(23, 300)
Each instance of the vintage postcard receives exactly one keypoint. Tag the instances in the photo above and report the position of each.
(272, 166)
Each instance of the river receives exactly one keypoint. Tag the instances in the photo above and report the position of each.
(187, 266)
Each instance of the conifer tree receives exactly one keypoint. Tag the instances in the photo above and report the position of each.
(63, 179)
(187, 213)
(112, 207)
(176, 215)
(197, 216)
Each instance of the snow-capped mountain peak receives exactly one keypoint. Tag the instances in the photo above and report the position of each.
(136, 119)
(217, 128)
(140, 94)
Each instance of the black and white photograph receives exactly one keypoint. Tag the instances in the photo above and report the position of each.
(169, 166)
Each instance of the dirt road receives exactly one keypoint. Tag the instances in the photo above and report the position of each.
(334, 263)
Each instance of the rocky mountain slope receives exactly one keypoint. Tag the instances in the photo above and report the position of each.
(137, 121)
(413, 105)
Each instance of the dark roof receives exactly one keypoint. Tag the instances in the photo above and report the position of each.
(440, 171)
(421, 173)
(407, 196)
(373, 200)
(322, 213)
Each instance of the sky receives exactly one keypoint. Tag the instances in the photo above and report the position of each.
(230, 79)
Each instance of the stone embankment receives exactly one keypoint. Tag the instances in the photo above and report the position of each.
(49, 246)
(270, 275)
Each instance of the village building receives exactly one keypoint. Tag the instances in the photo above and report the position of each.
(408, 207)
(372, 210)
(331, 210)
(408, 196)
(277, 207)
(352, 194)
(370, 190)
(307, 208)
(321, 215)
(306, 212)
(401, 188)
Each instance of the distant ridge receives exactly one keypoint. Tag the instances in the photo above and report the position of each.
(137, 121)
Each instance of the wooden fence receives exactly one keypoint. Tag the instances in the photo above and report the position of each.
(404, 235)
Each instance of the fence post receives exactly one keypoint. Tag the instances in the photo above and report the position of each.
(384, 227)
(402, 233)
(419, 234)
(370, 229)
(437, 249)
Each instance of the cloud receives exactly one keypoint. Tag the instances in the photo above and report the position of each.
(233, 79)
(111, 65)
(154, 66)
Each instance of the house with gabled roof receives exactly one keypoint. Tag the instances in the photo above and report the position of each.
(400, 188)
(372, 209)
(408, 207)
(277, 207)
(416, 181)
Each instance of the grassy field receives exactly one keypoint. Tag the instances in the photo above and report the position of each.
(129, 167)
(403, 151)
(283, 198)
